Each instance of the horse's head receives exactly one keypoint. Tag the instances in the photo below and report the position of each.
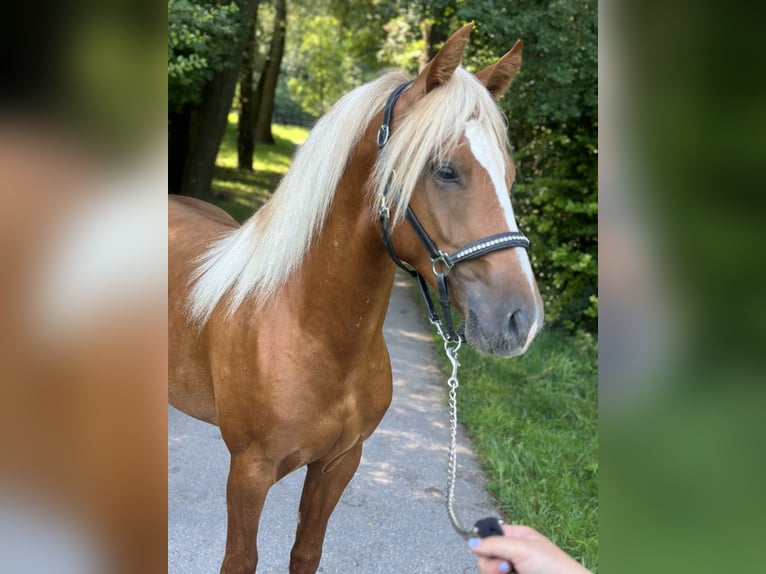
(447, 159)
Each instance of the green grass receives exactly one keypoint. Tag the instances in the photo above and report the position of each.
(533, 420)
(241, 192)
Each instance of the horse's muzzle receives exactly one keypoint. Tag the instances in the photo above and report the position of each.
(505, 329)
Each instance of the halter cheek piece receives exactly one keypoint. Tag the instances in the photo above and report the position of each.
(441, 262)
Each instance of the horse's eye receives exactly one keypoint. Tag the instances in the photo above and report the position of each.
(446, 173)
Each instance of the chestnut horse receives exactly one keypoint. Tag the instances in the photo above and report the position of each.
(275, 326)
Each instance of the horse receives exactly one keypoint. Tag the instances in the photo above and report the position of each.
(275, 326)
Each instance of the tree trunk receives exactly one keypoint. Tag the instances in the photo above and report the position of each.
(246, 125)
(271, 75)
(258, 94)
(207, 122)
(437, 35)
(178, 148)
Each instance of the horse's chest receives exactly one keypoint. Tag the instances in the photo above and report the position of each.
(358, 401)
(356, 417)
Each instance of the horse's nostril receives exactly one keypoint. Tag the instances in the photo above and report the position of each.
(517, 324)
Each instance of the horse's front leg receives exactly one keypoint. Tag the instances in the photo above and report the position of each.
(321, 491)
(249, 481)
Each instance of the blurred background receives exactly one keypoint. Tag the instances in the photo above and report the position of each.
(681, 363)
(83, 171)
(88, 103)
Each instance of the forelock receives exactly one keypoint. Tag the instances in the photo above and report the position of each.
(429, 130)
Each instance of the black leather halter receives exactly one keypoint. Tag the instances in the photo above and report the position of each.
(441, 262)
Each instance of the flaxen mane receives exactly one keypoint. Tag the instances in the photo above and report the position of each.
(256, 259)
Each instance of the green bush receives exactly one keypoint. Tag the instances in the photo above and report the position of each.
(552, 110)
(559, 211)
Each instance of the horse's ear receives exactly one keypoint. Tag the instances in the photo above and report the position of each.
(439, 70)
(499, 75)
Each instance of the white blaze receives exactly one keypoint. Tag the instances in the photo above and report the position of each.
(491, 157)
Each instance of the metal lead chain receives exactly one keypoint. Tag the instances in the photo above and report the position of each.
(451, 348)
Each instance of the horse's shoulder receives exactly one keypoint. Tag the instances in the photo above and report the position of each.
(183, 211)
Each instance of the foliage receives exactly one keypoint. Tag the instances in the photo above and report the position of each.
(367, 19)
(559, 208)
(403, 44)
(288, 109)
(344, 43)
(553, 122)
(325, 72)
(264, 29)
(199, 41)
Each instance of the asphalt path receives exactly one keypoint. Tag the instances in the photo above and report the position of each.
(392, 517)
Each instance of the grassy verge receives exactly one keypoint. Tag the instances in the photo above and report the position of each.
(533, 420)
(241, 192)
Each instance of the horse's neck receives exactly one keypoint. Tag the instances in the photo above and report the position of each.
(345, 282)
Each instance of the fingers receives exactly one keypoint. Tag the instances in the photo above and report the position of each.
(495, 553)
(493, 566)
(520, 531)
(495, 546)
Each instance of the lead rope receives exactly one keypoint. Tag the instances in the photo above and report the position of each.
(489, 526)
(451, 349)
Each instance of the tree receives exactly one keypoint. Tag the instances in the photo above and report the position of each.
(332, 48)
(196, 53)
(198, 46)
(205, 45)
(247, 104)
(270, 76)
(417, 27)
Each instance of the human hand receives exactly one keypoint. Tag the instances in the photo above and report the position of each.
(526, 549)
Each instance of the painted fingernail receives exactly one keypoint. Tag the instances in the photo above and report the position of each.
(504, 567)
(474, 542)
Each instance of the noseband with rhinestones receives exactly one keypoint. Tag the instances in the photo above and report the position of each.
(441, 262)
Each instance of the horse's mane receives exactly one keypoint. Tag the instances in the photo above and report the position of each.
(256, 259)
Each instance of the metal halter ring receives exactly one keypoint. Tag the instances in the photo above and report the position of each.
(444, 259)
